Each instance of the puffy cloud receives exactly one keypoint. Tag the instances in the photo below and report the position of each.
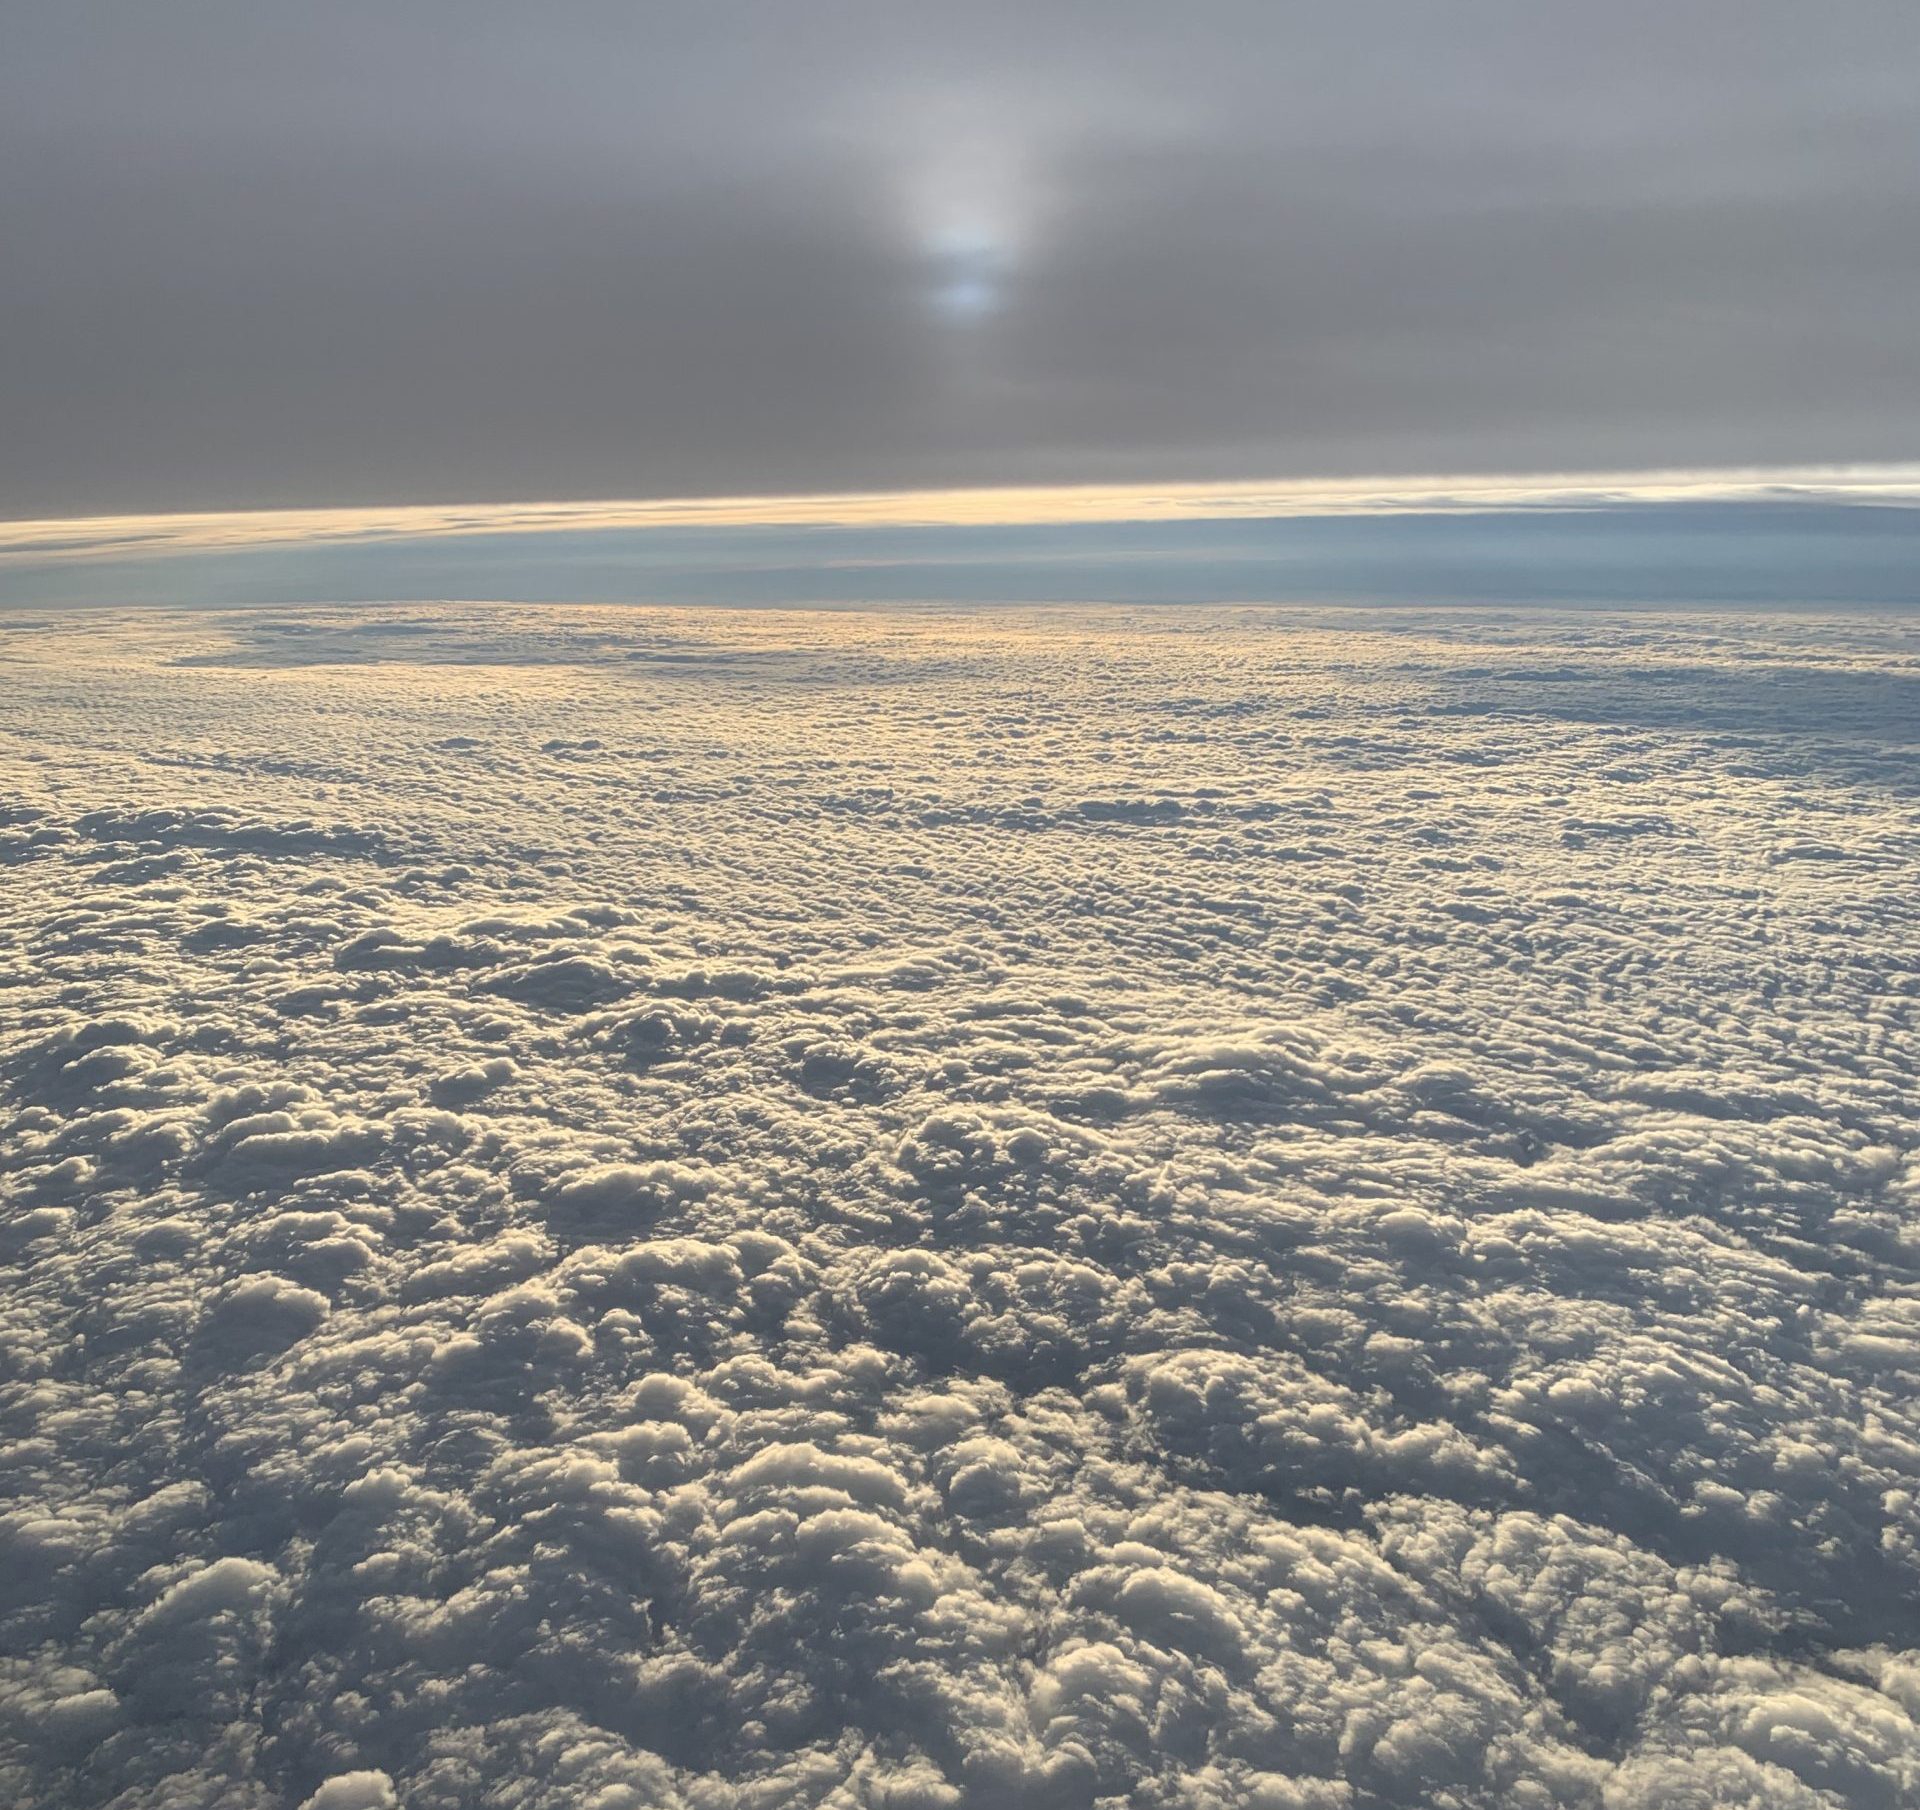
(354, 1791)
(922, 1211)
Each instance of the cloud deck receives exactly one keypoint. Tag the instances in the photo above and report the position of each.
(1210, 1209)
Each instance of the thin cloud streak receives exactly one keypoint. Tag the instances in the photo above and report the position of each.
(59, 540)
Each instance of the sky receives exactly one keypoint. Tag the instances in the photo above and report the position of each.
(272, 256)
(858, 1202)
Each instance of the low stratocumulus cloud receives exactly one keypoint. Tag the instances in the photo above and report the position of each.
(913, 1211)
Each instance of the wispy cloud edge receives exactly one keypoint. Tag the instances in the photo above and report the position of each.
(58, 539)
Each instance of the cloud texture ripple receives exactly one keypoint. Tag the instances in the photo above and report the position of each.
(618, 1209)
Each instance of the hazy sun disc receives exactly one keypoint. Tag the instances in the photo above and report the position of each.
(969, 269)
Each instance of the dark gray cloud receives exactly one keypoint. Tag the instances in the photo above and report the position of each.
(272, 254)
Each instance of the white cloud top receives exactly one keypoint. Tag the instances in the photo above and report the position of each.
(1217, 1209)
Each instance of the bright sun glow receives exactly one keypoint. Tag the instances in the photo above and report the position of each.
(969, 199)
(970, 269)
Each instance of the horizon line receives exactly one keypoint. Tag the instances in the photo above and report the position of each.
(60, 539)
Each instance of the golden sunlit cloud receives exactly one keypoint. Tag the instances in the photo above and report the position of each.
(145, 536)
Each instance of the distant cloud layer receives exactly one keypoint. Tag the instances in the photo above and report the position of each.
(1812, 537)
(59, 538)
(374, 253)
(724, 1212)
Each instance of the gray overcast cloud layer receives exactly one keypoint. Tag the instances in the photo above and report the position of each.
(263, 254)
